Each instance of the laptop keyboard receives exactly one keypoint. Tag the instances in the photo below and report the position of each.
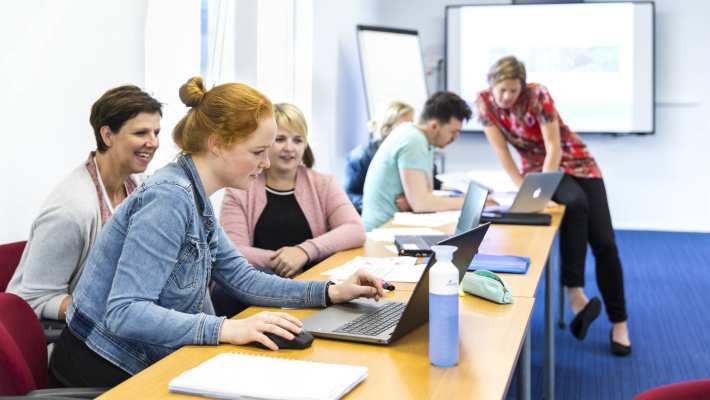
(376, 322)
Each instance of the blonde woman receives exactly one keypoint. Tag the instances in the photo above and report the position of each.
(143, 293)
(359, 159)
(292, 216)
(524, 115)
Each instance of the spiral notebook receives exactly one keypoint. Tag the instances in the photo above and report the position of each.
(246, 376)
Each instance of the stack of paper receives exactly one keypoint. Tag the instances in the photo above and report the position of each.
(388, 234)
(494, 181)
(238, 376)
(448, 193)
(392, 269)
(426, 219)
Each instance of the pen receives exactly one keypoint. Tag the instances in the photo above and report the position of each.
(386, 285)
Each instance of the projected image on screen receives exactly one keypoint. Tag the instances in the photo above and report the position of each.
(596, 59)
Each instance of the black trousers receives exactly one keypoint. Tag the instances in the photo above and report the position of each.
(74, 364)
(587, 220)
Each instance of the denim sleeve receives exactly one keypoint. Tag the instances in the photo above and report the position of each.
(254, 287)
(156, 231)
(354, 171)
(356, 199)
(358, 163)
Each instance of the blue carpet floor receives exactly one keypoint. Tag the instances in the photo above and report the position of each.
(667, 280)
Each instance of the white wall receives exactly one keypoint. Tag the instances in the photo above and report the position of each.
(339, 120)
(57, 58)
(655, 182)
(167, 66)
(334, 98)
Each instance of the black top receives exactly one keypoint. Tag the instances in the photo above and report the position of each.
(282, 223)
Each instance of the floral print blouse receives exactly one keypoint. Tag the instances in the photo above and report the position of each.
(520, 125)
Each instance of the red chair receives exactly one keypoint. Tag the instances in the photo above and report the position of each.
(688, 390)
(23, 354)
(10, 254)
(23, 349)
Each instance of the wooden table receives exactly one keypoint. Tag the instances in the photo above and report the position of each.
(536, 243)
(524, 240)
(493, 337)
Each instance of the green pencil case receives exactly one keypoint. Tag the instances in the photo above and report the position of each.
(488, 285)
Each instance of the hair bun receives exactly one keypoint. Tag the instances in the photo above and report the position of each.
(193, 91)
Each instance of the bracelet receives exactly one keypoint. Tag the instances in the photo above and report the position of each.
(328, 301)
(308, 258)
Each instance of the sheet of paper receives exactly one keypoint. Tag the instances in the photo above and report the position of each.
(504, 200)
(391, 248)
(426, 219)
(493, 180)
(447, 193)
(392, 269)
(405, 274)
(388, 234)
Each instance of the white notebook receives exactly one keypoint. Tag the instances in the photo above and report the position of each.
(244, 376)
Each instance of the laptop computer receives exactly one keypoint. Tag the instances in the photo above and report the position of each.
(535, 192)
(382, 322)
(420, 245)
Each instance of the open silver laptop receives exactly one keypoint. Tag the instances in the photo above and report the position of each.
(366, 320)
(534, 194)
(420, 245)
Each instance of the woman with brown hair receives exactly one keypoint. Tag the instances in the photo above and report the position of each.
(126, 125)
(523, 114)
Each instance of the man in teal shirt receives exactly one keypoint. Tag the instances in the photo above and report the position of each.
(401, 169)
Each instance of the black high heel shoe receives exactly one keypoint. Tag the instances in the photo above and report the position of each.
(585, 317)
(617, 348)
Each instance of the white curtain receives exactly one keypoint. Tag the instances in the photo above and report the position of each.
(172, 56)
(217, 41)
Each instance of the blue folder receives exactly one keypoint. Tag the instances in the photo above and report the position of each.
(500, 263)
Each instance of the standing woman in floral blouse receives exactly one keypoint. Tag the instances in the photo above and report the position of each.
(524, 115)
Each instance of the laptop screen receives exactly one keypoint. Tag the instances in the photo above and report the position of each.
(472, 207)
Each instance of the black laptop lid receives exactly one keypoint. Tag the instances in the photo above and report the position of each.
(417, 311)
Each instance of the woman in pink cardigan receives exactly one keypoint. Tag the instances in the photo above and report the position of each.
(292, 216)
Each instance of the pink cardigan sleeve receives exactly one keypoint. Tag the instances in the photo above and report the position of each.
(233, 218)
(345, 228)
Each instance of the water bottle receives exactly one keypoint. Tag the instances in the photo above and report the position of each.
(444, 309)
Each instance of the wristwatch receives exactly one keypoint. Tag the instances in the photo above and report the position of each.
(328, 301)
